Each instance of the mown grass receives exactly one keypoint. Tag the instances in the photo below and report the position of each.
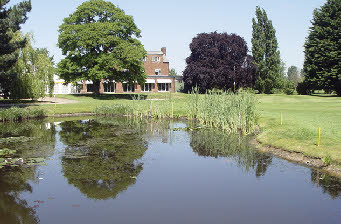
(302, 116)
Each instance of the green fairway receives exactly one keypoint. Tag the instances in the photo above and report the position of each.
(302, 116)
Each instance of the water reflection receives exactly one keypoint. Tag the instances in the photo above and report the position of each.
(39, 142)
(12, 208)
(40, 138)
(330, 185)
(215, 143)
(101, 156)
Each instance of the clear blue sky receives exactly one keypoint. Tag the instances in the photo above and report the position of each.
(174, 23)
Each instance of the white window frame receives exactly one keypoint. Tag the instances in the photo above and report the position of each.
(164, 87)
(112, 89)
(158, 71)
(129, 89)
(156, 59)
(150, 87)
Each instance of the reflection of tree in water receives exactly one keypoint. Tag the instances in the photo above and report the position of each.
(215, 143)
(13, 181)
(43, 134)
(330, 184)
(101, 157)
(12, 208)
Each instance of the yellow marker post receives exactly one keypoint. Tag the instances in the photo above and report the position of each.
(319, 137)
(281, 118)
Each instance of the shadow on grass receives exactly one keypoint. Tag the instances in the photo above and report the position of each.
(325, 95)
(124, 96)
(4, 104)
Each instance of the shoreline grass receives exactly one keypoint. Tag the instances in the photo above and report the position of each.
(231, 112)
(302, 116)
(19, 114)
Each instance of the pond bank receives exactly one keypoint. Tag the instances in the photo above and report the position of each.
(297, 157)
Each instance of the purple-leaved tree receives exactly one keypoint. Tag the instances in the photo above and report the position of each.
(218, 60)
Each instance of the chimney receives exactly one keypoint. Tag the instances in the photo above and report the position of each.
(163, 49)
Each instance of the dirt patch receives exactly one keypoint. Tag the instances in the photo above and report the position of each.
(46, 100)
(298, 157)
(55, 100)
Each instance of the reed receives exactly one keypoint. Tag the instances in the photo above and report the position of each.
(19, 114)
(231, 112)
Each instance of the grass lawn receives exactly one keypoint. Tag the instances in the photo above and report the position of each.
(302, 116)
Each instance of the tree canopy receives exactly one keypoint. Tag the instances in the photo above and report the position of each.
(266, 54)
(10, 21)
(322, 65)
(293, 74)
(99, 41)
(34, 71)
(218, 60)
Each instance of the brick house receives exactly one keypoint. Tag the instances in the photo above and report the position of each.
(156, 66)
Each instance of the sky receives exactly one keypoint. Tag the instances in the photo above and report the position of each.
(173, 23)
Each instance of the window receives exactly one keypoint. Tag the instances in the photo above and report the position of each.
(154, 59)
(144, 59)
(148, 87)
(157, 71)
(128, 88)
(77, 88)
(90, 88)
(109, 87)
(164, 87)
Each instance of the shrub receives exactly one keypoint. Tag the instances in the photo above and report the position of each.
(303, 88)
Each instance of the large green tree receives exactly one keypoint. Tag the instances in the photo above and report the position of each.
(322, 65)
(10, 21)
(266, 54)
(34, 71)
(100, 42)
(293, 74)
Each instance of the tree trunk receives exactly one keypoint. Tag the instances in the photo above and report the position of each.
(96, 84)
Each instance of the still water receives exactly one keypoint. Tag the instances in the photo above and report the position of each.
(127, 171)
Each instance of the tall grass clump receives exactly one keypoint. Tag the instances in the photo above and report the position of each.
(111, 110)
(19, 114)
(139, 107)
(232, 112)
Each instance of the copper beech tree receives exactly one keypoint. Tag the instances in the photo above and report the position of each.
(219, 60)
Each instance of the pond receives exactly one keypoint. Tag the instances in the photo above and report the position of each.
(116, 170)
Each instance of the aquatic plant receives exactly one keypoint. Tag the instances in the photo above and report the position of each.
(19, 114)
(232, 112)
(229, 111)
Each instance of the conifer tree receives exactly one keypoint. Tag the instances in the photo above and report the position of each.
(266, 54)
(10, 21)
(322, 65)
